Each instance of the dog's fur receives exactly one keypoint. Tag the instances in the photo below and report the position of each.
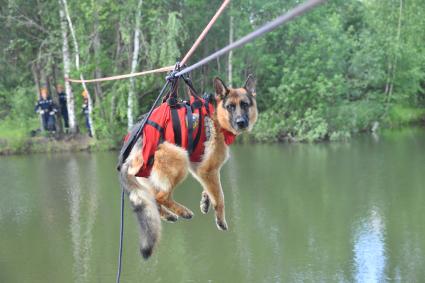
(152, 198)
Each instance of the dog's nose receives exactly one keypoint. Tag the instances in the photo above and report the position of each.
(242, 123)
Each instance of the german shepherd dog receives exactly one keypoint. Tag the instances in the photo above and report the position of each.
(152, 197)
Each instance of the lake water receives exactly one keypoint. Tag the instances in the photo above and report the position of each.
(343, 212)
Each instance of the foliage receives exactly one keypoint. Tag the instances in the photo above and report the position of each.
(401, 115)
(327, 75)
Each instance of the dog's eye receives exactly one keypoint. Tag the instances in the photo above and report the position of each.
(244, 104)
(231, 107)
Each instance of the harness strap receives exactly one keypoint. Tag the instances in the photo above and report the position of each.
(189, 118)
(200, 126)
(196, 104)
(193, 91)
(161, 138)
(207, 106)
(207, 98)
(176, 126)
(158, 128)
(173, 91)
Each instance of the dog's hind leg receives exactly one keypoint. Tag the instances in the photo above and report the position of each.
(142, 199)
(213, 193)
(165, 213)
(169, 169)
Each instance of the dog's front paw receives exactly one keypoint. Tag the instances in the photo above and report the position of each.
(221, 224)
(205, 203)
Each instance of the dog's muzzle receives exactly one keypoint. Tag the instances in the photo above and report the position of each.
(242, 123)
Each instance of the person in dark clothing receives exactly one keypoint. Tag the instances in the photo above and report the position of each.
(86, 112)
(63, 106)
(47, 109)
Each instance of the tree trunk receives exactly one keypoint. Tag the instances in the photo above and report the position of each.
(204, 68)
(53, 77)
(43, 78)
(70, 101)
(218, 58)
(118, 43)
(136, 47)
(77, 64)
(230, 57)
(97, 72)
(394, 65)
(36, 75)
(55, 96)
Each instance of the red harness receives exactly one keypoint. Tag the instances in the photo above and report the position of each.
(181, 124)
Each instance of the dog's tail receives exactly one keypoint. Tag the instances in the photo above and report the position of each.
(146, 211)
(150, 225)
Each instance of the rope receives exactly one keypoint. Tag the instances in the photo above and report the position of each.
(297, 11)
(204, 32)
(163, 69)
(120, 77)
(128, 145)
(121, 236)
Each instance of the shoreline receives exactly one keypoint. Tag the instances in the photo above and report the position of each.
(83, 143)
(65, 143)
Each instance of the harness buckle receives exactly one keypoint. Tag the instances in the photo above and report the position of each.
(172, 75)
(172, 101)
(210, 98)
(196, 104)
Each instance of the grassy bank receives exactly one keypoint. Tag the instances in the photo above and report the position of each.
(28, 145)
(16, 138)
(400, 116)
(334, 124)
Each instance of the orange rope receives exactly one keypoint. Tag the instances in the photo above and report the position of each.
(205, 31)
(120, 77)
(163, 69)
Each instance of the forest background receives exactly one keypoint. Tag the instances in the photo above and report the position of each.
(344, 68)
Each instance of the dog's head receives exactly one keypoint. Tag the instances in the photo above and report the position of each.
(236, 107)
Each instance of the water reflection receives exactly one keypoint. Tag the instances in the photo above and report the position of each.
(369, 249)
(349, 212)
(82, 239)
(242, 249)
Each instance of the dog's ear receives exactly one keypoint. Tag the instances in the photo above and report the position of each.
(221, 89)
(250, 84)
